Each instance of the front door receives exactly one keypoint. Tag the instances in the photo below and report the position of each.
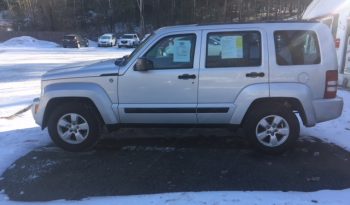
(167, 93)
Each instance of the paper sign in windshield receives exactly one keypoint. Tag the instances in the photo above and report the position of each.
(182, 51)
(231, 47)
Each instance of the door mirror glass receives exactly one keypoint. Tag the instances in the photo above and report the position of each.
(143, 64)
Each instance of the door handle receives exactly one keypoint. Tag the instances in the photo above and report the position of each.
(187, 76)
(255, 75)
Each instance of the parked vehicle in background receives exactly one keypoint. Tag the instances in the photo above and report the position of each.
(74, 41)
(336, 15)
(260, 77)
(107, 40)
(128, 40)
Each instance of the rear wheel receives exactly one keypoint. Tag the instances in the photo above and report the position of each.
(74, 127)
(272, 127)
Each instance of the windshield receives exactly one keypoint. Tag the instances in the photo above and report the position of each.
(128, 36)
(128, 58)
(69, 37)
(105, 37)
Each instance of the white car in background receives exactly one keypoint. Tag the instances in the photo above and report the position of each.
(107, 40)
(128, 40)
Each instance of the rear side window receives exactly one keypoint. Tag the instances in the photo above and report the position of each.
(233, 49)
(297, 48)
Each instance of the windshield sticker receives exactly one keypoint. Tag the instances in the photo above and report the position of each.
(182, 51)
(231, 47)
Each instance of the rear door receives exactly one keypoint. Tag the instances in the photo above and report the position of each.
(231, 60)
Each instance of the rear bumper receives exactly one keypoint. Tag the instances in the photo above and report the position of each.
(328, 109)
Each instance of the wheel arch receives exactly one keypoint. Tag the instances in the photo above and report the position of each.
(297, 96)
(289, 102)
(89, 93)
(84, 101)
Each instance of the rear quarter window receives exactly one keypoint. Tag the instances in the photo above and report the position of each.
(297, 47)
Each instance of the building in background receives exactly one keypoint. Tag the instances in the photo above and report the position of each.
(335, 14)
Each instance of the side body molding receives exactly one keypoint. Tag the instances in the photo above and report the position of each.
(85, 90)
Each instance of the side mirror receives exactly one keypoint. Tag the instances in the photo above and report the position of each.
(143, 64)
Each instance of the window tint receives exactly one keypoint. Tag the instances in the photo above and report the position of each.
(233, 49)
(173, 52)
(297, 48)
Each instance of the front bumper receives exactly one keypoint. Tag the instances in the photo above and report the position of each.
(328, 109)
(37, 112)
(105, 43)
(128, 43)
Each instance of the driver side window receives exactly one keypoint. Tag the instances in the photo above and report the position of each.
(173, 52)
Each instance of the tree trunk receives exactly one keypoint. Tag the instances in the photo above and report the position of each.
(141, 6)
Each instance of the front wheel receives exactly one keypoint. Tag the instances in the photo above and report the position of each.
(272, 128)
(74, 127)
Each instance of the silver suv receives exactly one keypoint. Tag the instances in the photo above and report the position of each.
(253, 76)
(128, 40)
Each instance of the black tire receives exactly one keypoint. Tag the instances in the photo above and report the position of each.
(87, 113)
(268, 111)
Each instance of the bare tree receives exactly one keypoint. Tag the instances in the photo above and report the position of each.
(141, 6)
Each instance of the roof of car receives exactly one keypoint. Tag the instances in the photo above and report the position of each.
(71, 35)
(227, 25)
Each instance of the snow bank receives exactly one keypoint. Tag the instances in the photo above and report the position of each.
(92, 43)
(324, 197)
(27, 41)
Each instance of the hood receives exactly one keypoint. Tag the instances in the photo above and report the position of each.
(82, 70)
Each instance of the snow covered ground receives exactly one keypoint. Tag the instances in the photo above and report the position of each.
(23, 63)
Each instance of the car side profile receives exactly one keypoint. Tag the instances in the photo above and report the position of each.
(255, 76)
(74, 41)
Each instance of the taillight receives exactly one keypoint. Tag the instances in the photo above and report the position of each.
(331, 84)
(337, 43)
